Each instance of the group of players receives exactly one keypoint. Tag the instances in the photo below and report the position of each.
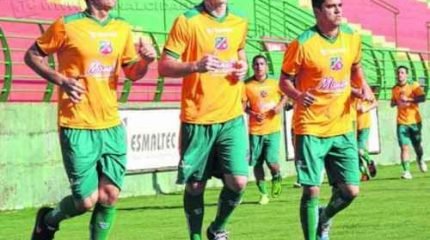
(320, 73)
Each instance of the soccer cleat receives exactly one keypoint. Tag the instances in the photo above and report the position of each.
(42, 231)
(423, 166)
(323, 226)
(276, 187)
(372, 168)
(264, 199)
(406, 175)
(364, 177)
(216, 235)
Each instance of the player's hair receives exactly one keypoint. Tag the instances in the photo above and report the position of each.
(317, 3)
(402, 67)
(259, 56)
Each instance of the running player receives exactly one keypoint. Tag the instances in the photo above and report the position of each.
(264, 101)
(318, 71)
(91, 48)
(206, 47)
(406, 96)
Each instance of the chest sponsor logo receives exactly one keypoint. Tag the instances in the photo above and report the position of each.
(105, 47)
(329, 84)
(97, 69)
(336, 63)
(221, 43)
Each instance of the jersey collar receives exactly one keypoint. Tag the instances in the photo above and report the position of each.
(101, 23)
(202, 8)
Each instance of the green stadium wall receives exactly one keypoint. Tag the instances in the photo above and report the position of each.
(32, 174)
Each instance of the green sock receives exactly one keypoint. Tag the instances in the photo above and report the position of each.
(337, 203)
(228, 201)
(309, 216)
(276, 177)
(102, 221)
(405, 166)
(65, 209)
(194, 211)
(366, 157)
(262, 187)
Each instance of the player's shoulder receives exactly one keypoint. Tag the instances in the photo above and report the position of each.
(347, 29)
(306, 35)
(193, 12)
(249, 81)
(73, 17)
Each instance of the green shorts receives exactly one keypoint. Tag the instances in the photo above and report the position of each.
(88, 154)
(362, 138)
(409, 134)
(264, 148)
(212, 150)
(338, 154)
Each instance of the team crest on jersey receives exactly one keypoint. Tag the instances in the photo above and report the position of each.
(336, 63)
(105, 47)
(221, 43)
(263, 93)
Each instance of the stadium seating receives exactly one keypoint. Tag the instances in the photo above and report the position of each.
(269, 20)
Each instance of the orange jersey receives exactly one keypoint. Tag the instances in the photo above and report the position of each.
(262, 97)
(95, 51)
(407, 114)
(211, 97)
(364, 119)
(323, 68)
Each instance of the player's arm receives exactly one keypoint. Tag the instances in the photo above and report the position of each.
(286, 84)
(372, 105)
(241, 66)
(169, 66)
(419, 95)
(137, 69)
(35, 59)
(357, 78)
(281, 104)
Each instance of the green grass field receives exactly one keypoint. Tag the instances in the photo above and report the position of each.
(388, 208)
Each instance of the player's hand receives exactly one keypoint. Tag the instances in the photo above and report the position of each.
(260, 117)
(146, 51)
(240, 70)
(367, 94)
(207, 64)
(276, 110)
(73, 88)
(306, 99)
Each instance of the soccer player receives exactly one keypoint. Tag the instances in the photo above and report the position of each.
(318, 70)
(264, 101)
(364, 121)
(92, 47)
(206, 47)
(406, 96)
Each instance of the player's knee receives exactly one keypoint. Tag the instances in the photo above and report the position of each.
(236, 183)
(195, 188)
(351, 192)
(311, 191)
(86, 204)
(274, 168)
(108, 195)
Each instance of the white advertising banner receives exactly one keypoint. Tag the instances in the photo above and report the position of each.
(152, 139)
(374, 144)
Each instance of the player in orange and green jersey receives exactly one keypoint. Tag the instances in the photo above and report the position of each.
(263, 102)
(318, 70)
(406, 96)
(91, 47)
(363, 124)
(205, 47)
